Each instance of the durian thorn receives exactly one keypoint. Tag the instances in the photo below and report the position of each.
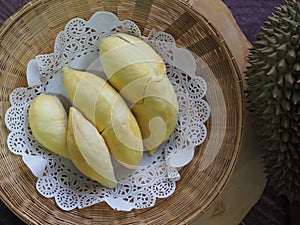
(261, 43)
(296, 68)
(294, 39)
(282, 48)
(289, 79)
(266, 50)
(291, 56)
(266, 30)
(273, 56)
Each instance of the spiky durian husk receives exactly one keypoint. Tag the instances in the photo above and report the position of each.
(273, 94)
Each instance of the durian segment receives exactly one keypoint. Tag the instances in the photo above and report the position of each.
(139, 74)
(88, 150)
(104, 107)
(48, 121)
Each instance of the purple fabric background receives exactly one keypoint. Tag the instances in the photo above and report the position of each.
(250, 15)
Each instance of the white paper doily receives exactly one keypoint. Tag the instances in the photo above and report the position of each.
(156, 177)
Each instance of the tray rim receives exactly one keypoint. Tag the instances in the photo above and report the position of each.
(4, 28)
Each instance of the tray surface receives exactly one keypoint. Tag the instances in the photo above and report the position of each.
(32, 31)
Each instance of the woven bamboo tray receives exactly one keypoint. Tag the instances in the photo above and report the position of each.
(32, 31)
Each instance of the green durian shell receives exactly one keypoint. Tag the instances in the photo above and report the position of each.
(273, 95)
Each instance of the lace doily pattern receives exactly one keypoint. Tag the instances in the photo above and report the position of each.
(156, 178)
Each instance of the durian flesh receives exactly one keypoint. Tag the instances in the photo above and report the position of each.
(105, 108)
(48, 122)
(139, 74)
(88, 150)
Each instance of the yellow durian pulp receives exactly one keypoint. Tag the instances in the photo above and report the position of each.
(101, 104)
(139, 74)
(48, 122)
(88, 150)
